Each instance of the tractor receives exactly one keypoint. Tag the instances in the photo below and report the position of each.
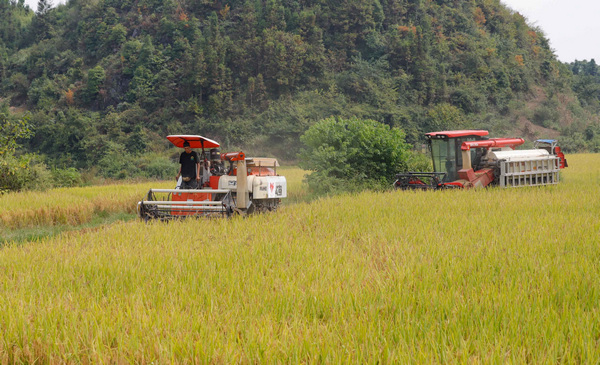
(469, 159)
(230, 184)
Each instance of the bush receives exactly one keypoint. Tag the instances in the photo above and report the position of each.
(14, 173)
(419, 162)
(117, 163)
(352, 154)
(158, 167)
(445, 117)
(66, 177)
(29, 173)
(37, 176)
(546, 116)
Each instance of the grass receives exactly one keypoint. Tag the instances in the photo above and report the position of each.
(489, 276)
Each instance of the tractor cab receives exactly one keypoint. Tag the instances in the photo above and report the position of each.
(445, 148)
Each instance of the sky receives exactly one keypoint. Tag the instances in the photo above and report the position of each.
(33, 3)
(572, 26)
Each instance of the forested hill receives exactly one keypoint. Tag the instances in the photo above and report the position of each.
(108, 79)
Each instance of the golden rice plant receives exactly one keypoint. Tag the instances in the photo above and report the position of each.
(70, 206)
(75, 206)
(297, 189)
(486, 276)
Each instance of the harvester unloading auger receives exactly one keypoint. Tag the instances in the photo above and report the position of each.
(468, 159)
(230, 183)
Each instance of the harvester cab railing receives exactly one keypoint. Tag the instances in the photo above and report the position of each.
(262, 166)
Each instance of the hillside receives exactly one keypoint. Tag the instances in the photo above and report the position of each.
(106, 80)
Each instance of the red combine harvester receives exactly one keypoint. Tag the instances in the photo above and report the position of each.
(230, 183)
(468, 159)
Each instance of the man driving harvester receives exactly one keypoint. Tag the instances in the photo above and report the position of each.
(190, 168)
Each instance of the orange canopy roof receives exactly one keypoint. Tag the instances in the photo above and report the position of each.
(195, 141)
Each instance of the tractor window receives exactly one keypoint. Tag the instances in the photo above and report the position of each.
(447, 156)
(444, 158)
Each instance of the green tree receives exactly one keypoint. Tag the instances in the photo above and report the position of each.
(42, 24)
(14, 170)
(445, 117)
(352, 154)
(11, 130)
(95, 79)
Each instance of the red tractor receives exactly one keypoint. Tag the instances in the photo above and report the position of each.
(468, 159)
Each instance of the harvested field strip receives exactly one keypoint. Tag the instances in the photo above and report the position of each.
(69, 206)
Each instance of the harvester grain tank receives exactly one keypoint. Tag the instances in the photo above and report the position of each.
(469, 159)
(230, 183)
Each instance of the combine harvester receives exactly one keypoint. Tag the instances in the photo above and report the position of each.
(230, 183)
(468, 159)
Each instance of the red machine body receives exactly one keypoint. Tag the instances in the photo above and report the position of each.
(467, 159)
(493, 142)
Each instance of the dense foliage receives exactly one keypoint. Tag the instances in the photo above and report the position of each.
(345, 154)
(26, 170)
(585, 135)
(106, 78)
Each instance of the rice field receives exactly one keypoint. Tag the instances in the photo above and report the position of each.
(76, 206)
(489, 276)
(70, 206)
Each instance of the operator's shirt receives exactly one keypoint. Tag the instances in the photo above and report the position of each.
(188, 163)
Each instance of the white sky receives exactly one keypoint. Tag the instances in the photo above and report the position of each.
(33, 3)
(572, 26)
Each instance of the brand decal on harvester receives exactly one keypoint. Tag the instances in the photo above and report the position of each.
(278, 189)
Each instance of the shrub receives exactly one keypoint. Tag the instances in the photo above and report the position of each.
(66, 177)
(352, 154)
(14, 173)
(117, 163)
(37, 176)
(158, 167)
(418, 161)
(546, 116)
(445, 117)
